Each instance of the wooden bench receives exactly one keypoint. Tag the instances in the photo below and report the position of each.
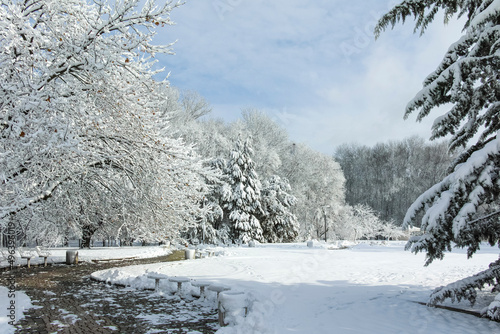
(232, 303)
(201, 253)
(210, 252)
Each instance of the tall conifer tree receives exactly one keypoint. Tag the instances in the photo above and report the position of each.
(279, 223)
(461, 208)
(243, 203)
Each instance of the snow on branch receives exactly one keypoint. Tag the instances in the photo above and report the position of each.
(450, 205)
(466, 289)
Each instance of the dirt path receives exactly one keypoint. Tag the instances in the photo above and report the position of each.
(66, 300)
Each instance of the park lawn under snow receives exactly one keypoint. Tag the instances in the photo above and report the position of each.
(368, 288)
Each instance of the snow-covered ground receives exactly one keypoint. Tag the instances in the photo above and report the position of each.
(12, 312)
(369, 288)
(58, 255)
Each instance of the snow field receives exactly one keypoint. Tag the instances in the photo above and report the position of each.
(369, 288)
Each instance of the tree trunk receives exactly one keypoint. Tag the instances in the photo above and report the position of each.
(87, 233)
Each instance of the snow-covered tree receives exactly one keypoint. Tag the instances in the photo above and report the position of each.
(317, 182)
(362, 222)
(269, 141)
(278, 222)
(458, 209)
(242, 203)
(357, 222)
(81, 141)
(365, 224)
(209, 228)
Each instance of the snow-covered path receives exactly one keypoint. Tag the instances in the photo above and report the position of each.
(366, 289)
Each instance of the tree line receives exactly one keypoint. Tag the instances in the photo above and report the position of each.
(290, 181)
(312, 185)
(389, 177)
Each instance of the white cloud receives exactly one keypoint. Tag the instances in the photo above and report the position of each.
(289, 58)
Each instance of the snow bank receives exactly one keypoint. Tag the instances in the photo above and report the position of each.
(137, 276)
(12, 307)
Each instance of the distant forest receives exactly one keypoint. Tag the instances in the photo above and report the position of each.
(390, 176)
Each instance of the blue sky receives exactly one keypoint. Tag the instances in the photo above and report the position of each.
(312, 65)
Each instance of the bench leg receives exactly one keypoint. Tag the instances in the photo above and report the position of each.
(202, 292)
(157, 284)
(45, 261)
(221, 315)
(179, 287)
(29, 261)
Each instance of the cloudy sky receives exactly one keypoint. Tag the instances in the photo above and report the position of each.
(312, 65)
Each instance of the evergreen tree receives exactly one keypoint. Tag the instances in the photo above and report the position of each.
(242, 203)
(279, 224)
(460, 208)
